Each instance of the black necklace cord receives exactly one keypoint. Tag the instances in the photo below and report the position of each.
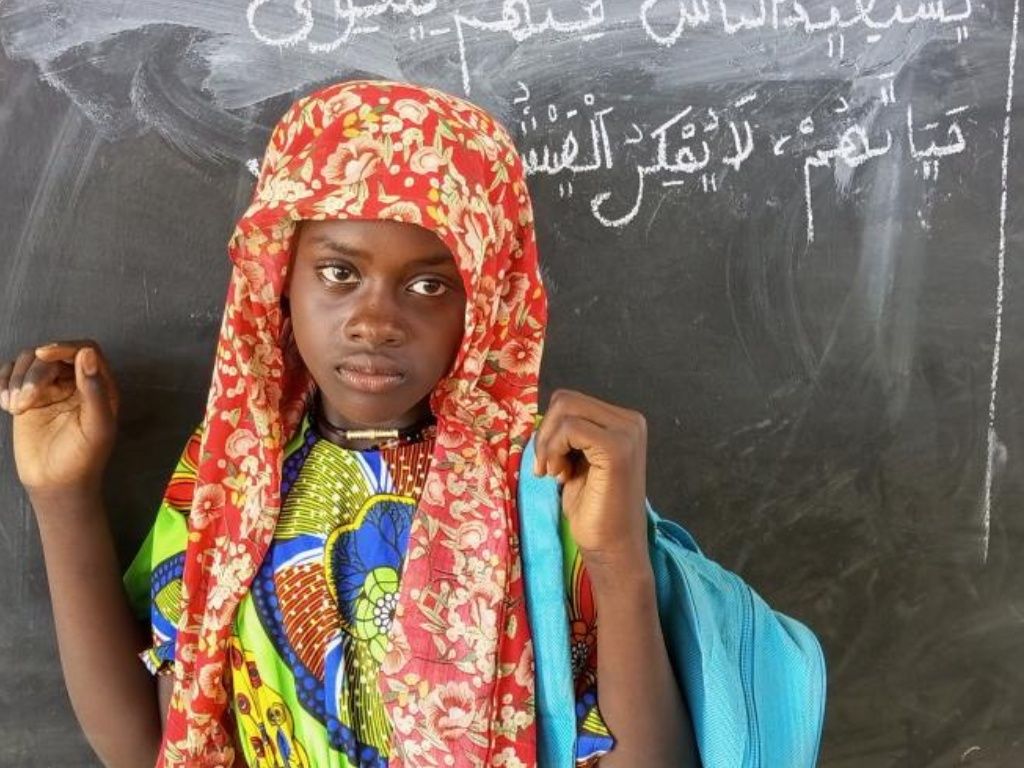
(421, 430)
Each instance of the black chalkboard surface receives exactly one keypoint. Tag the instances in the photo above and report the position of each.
(790, 234)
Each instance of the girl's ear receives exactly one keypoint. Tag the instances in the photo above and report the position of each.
(292, 356)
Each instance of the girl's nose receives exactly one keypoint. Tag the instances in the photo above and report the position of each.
(375, 319)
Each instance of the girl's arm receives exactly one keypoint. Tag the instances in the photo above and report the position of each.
(637, 692)
(111, 691)
(65, 402)
(598, 453)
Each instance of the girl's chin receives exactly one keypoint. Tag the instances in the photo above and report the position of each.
(356, 415)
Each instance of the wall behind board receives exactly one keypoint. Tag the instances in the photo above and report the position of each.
(789, 233)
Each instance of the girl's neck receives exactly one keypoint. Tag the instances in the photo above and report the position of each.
(363, 438)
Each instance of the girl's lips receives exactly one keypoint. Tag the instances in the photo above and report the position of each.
(370, 382)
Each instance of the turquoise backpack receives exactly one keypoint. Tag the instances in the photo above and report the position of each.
(754, 679)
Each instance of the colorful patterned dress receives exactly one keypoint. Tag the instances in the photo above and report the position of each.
(311, 634)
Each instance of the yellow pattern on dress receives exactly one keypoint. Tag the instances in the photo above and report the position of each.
(265, 723)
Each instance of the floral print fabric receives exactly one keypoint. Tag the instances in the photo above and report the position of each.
(309, 638)
(460, 641)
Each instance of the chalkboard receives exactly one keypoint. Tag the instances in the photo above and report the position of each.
(790, 234)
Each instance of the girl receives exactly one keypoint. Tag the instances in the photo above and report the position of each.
(336, 576)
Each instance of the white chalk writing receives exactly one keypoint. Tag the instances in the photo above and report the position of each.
(697, 143)
(691, 146)
(285, 23)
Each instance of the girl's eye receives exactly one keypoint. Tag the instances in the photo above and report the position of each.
(430, 287)
(342, 275)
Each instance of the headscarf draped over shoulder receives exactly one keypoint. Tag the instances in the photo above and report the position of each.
(457, 679)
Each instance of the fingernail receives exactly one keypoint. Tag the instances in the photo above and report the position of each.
(560, 478)
(89, 362)
(5, 400)
(14, 400)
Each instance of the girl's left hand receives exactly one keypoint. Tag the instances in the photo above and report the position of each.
(598, 453)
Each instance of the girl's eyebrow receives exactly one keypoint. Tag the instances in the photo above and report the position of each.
(334, 245)
(434, 259)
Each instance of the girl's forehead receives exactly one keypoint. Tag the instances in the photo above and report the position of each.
(370, 237)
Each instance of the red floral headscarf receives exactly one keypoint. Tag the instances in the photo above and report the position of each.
(457, 680)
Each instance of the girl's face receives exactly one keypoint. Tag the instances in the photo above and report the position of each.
(377, 311)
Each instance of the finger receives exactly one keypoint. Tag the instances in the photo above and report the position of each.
(573, 439)
(582, 404)
(567, 402)
(5, 377)
(41, 382)
(67, 350)
(64, 350)
(24, 380)
(21, 364)
(97, 414)
(552, 451)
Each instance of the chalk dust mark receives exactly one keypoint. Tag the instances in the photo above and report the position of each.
(62, 163)
(1000, 285)
(145, 296)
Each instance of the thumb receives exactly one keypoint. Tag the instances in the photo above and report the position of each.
(96, 415)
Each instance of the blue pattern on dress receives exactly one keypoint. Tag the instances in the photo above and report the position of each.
(379, 541)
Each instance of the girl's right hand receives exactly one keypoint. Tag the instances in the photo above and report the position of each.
(65, 403)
